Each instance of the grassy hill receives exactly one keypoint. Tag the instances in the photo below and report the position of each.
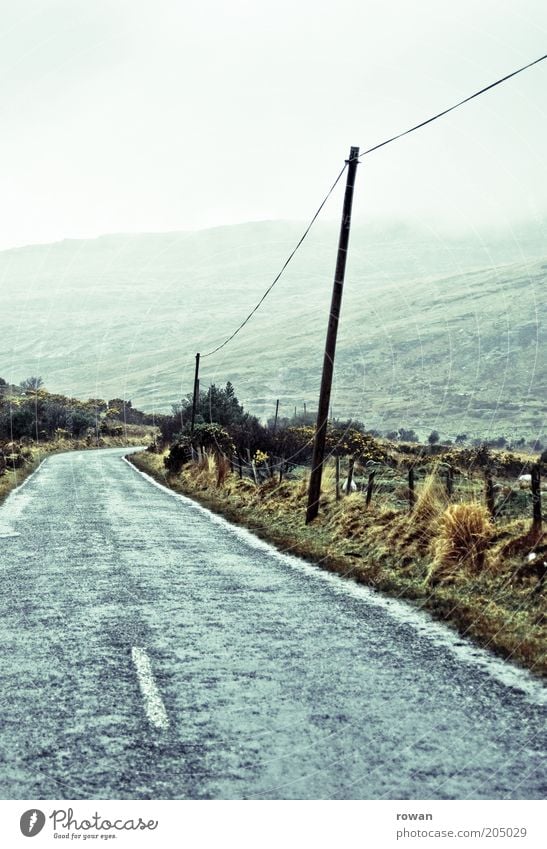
(435, 333)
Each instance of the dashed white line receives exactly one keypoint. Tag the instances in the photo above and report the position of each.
(153, 702)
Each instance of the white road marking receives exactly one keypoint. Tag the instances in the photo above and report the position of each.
(153, 702)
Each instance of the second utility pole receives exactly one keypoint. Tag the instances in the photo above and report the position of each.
(196, 395)
(314, 491)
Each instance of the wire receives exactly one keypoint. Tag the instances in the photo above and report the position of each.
(365, 153)
(455, 106)
(287, 261)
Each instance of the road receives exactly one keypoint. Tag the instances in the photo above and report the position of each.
(152, 651)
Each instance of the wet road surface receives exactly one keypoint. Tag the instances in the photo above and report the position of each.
(150, 650)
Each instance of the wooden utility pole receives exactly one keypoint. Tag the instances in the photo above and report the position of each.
(196, 394)
(276, 413)
(314, 491)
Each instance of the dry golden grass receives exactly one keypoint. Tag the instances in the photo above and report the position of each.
(461, 542)
(430, 503)
(328, 479)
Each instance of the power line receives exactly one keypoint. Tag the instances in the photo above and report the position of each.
(365, 153)
(287, 261)
(455, 106)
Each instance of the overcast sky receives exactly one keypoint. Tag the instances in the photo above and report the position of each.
(133, 115)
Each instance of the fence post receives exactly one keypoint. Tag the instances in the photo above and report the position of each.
(337, 477)
(489, 494)
(350, 475)
(370, 487)
(536, 496)
(411, 490)
(450, 481)
(255, 476)
(281, 464)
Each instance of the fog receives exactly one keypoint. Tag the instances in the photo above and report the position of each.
(127, 116)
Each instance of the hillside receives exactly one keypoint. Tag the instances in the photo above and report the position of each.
(435, 333)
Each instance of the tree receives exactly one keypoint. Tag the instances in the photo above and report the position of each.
(31, 384)
(406, 435)
(498, 442)
(433, 437)
(79, 421)
(55, 417)
(215, 405)
(220, 405)
(461, 437)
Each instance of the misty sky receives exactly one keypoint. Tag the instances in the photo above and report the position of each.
(126, 115)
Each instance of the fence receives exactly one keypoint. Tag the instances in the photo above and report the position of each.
(504, 497)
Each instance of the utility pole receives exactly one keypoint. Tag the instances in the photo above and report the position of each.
(196, 394)
(314, 491)
(275, 419)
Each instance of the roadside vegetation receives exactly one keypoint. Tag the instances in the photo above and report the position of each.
(35, 422)
(461, 542)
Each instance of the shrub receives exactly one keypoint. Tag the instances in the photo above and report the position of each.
(213, 437)
(179, 454)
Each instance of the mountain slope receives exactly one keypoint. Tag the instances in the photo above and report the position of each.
(435, 333)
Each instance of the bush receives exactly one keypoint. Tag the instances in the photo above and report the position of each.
(18, 422)
(213, 437)
(179, 454)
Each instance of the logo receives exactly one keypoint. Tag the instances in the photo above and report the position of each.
(32, 822)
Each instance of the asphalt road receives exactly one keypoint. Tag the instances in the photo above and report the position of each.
(150, 650)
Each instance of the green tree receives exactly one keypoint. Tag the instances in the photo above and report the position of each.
(433, 437)
(31, 384)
